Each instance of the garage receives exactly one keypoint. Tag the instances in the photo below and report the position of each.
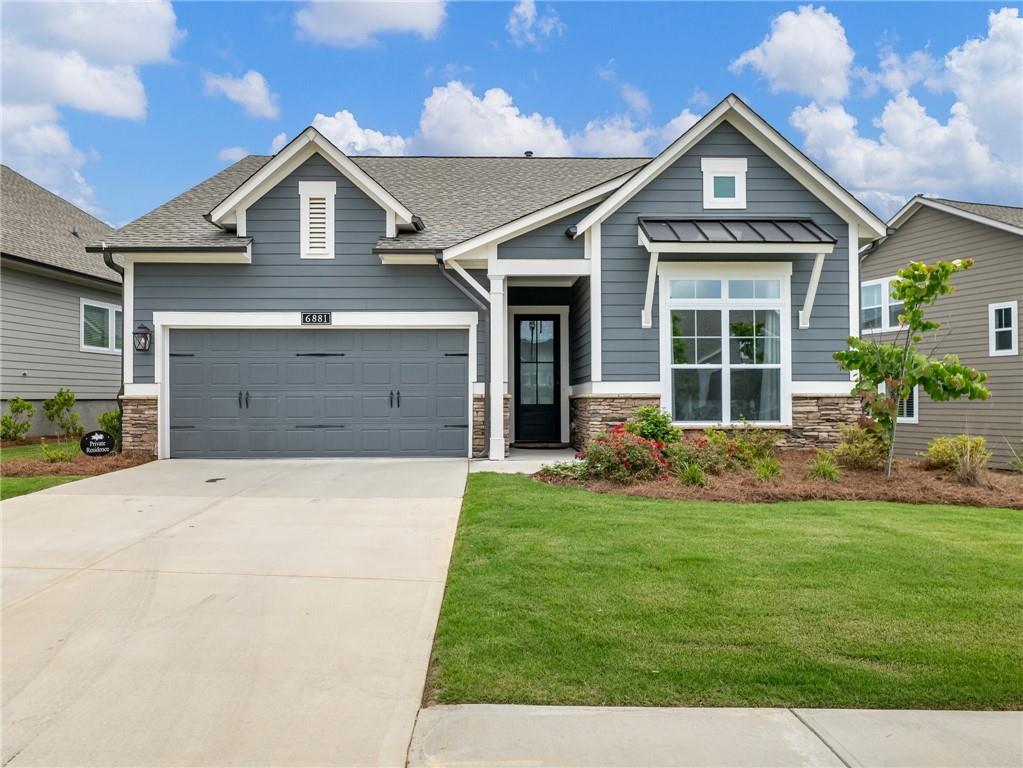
(318, 393)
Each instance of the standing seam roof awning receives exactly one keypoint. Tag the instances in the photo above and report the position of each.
(760, 230)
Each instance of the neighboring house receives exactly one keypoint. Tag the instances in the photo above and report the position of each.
(979, 321)
(315, 304)
(60, 307)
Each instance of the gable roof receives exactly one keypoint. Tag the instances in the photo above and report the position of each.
(39, 226)
(1004, 217)
(767, 139)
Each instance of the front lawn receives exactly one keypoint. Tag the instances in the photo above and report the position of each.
(18, 486)
(557, 595)
(34, 450)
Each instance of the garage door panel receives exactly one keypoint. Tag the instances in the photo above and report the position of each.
(301, 373)
(219, 406)
(378, 374)
(415, 341)
(451, 406)
(185, 441)
(300, 440)
(415, 406)
(223, 440)
(383, 341)
(339, 373)
(375, 406)
(414, 440)
(224, 341)
(262, 406)
(190, 373)
(225, 373)
(451, 373)
(410, 374)
(300, 407)
(339, 441)
(264, 441)
(375, 440)
(339, 406)
(263, 374)
(451, 439)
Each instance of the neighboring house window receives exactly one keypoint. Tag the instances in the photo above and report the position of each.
(317, 219)
(727, 346)
(878, 310)
(1003, 328)
(102, 327)
(724, 182)
(906, 409)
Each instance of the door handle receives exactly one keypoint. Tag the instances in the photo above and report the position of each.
(390, 399)
(246, 398)
(239, 398)
(399, 398)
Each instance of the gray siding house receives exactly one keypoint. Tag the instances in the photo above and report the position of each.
(315, 304)
(60, 307)
(980, 320)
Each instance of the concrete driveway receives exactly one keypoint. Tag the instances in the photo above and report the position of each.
(215, 613)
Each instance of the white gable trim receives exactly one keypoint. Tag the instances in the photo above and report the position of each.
(919, 201)
(304, 146)
(764, 137)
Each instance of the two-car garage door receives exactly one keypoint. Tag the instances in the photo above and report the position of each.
(318, 392)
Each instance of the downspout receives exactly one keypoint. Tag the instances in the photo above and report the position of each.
(485, 309)
(108, 259)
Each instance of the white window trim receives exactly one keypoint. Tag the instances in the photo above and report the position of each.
(1014, 350)
(915, 418)
(713, 167)
(727, 271)
(112, 310)
(306, 190)
(886, 297)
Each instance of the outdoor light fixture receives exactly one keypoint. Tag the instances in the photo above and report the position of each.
(142, 338)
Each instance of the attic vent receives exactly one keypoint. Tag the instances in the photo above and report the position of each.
(317, 224)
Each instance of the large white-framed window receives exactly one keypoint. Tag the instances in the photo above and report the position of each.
(878, 310)
(724, 182)
(1003, 328)
(101, 327)
(317, 219)
(725, 343)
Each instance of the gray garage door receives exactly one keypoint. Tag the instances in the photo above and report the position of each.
(319, 392)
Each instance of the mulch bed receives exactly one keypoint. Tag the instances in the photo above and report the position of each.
(910, 483)
(79, 465)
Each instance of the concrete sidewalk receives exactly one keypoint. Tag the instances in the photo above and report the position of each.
(572, 737)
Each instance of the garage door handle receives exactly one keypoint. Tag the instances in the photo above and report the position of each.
(399, 398)
(246, 398)
(239, 398)
(390, 399)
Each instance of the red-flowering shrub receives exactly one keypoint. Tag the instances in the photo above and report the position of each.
(623, 457)
(713, 457)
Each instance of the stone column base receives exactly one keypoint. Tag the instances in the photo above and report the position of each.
(589, 414)
(479, 417)
(139, 425)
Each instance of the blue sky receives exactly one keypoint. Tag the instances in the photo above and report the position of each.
(121, 108)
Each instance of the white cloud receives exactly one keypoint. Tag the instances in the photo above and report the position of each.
(900, 73)
(526, 27)
(344, 130)
(678, 125)
(615, 136)
(250, 91)
(278, 143)
(232, 154)
(806, 52)
(356, 24)
(80, 55)
(634, 97)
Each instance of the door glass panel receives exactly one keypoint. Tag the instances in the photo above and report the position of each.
(536, 362)
(527, 383)
(545, 384)
(696, 394)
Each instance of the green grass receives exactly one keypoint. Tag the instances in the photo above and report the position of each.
(33, 451)
(19, 486)
(561, 596)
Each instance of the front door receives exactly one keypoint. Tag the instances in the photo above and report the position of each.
(537, 379)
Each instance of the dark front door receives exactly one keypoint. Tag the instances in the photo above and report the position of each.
(537, 379)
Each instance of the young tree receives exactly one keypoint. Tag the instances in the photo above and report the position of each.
(899, 365)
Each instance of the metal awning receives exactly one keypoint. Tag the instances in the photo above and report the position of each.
(761, 230)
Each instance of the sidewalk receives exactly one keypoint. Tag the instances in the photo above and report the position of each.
(489, 734)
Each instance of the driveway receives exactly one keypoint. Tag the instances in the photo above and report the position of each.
(245, 613)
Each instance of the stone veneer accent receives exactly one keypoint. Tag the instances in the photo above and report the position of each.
(479, 438)
(588, 414)
(139, 425)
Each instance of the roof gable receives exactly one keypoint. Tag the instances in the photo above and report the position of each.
(1003, 217)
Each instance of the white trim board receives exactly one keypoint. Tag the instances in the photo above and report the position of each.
(187, 257)
(561, 311)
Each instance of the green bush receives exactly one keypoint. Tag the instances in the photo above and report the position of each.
(823, 467)
(623, 457)
(711, 457)
(56, 455)
(753, 444)
(860, 447)
(690, 474)
(58, 411)
(15, 425)
(565, 470)
(654, 424)
(110, 421)
(1016, 462)
(946, 452)
(767, 468)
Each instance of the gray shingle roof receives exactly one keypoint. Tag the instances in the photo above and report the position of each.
(456, 197)
(1006, 214)
(37, 225)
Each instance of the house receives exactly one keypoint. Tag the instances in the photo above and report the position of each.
(979, 321)
(315, 304)
(60, 307)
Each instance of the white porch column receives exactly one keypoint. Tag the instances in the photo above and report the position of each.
(498, 309)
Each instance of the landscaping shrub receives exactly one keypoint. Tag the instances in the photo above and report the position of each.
(624, 457)
(15, 425)
(969, 469)
(753, 444)
(860, 447)
(711, 457)
(767, 468)
(56, 454)
(652, 423)
(1016, 462)
(946, 452)
(110, 421)
(823, 467)
(58, 410)
(565, 470)
(690, 474)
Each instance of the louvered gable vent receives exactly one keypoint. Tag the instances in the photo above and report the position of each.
(317, 226)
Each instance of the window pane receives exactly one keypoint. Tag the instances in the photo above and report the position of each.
(527, 383)
(1003, 317)
(870, 295)
(768, 289)
(544, 340)
(724, 186)
(708, 289)
(683, 322)
(708, 350)
(545, 384)
(118, 329)
(708, 322)
(740, 289)
(695, 289)
(870, 318)
(95, 327)
(894, 310)
(756, 394)
(696, 394)
(1003, 340)
(683, 351)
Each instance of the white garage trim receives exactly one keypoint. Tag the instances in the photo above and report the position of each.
(165, 322)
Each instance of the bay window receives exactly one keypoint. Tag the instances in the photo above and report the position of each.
(725, 345)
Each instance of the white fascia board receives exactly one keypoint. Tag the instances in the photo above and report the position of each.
(309, 142)
(540, 267)
(294, 319)
(188, 257)
(726, 248)
(914, 205)
(396, 257)
(538, 218)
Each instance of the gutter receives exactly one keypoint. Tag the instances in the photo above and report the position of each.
(485, 309)
(126, 343)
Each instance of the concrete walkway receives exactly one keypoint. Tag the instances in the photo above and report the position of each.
(215, 613)
(523, 460)
(577, 737)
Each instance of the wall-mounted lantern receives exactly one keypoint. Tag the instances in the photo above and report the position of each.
(142, 338)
